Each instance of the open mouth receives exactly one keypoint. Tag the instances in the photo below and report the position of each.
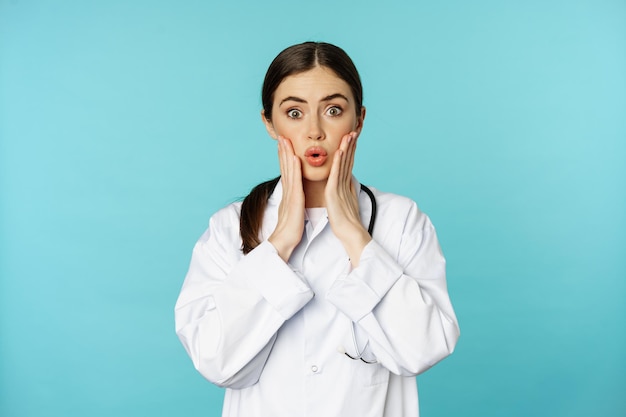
(315, 156)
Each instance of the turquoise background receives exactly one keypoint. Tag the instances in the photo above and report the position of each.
(125, 124)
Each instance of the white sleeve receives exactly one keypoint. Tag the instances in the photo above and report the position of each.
(231, 306)
(402, 305)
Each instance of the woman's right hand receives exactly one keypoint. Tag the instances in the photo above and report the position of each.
(290, 226)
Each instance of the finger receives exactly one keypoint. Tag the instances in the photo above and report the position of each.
(351, 152)
(284, 173)
(335, 170)
(289, 146)
(297, 174)
(282, 155)
(345, 172)
(281, 158)
(289, 171)
(294, 170)
(346, 188)
(289, 154)
(348, 155)
(350, 163)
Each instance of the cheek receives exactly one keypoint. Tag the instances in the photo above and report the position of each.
(341, 129)
(287, 130)
(349, 124)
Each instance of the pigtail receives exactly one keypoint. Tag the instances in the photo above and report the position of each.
(252, 211)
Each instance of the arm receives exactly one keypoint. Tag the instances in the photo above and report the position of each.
(401, 302)
(231, 306)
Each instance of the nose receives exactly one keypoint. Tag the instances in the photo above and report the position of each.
(315, 128)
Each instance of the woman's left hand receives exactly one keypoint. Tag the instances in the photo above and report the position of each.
(342, 202)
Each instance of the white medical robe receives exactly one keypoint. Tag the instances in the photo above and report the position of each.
(274, 333)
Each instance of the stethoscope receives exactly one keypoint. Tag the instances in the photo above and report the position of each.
(370, 194)
(370, 229)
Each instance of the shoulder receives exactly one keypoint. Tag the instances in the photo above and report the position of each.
(227, 214)
(395, 202)
(401, 228)
(391, 199)
(397, 207)
(224, 223)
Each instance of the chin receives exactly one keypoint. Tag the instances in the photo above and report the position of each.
(320, 175)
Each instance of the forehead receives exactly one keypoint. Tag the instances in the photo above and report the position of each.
(313, 84)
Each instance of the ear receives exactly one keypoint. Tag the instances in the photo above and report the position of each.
(360, 120)
(268, 125)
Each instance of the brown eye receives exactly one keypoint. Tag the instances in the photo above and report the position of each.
(294, 114)
(334, 111)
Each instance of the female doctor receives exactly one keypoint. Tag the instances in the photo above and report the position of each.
(290, 303)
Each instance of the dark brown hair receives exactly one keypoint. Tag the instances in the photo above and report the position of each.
(293, 60)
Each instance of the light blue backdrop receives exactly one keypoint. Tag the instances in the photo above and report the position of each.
(125, 124)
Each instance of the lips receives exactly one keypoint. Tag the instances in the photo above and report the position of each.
(315, 156)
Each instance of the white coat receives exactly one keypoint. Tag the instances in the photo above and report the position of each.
(274, 334)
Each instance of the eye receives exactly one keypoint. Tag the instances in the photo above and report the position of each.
(294, 114)
(334, 111)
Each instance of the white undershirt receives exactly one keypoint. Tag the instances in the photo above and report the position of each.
(314, 214)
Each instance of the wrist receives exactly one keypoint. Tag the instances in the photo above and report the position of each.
(283, 249)
(355, 244)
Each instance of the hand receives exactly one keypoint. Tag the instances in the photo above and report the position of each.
(342, 202)
(290, 226)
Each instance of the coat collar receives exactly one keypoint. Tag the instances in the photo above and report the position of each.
(365, 206)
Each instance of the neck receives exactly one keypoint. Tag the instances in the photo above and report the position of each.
(314, 193)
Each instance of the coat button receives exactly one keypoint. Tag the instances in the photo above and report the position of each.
(314, 369)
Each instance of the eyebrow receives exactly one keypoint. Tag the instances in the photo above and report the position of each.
(327, 98)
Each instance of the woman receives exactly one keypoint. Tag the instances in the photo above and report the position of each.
(290, 303)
